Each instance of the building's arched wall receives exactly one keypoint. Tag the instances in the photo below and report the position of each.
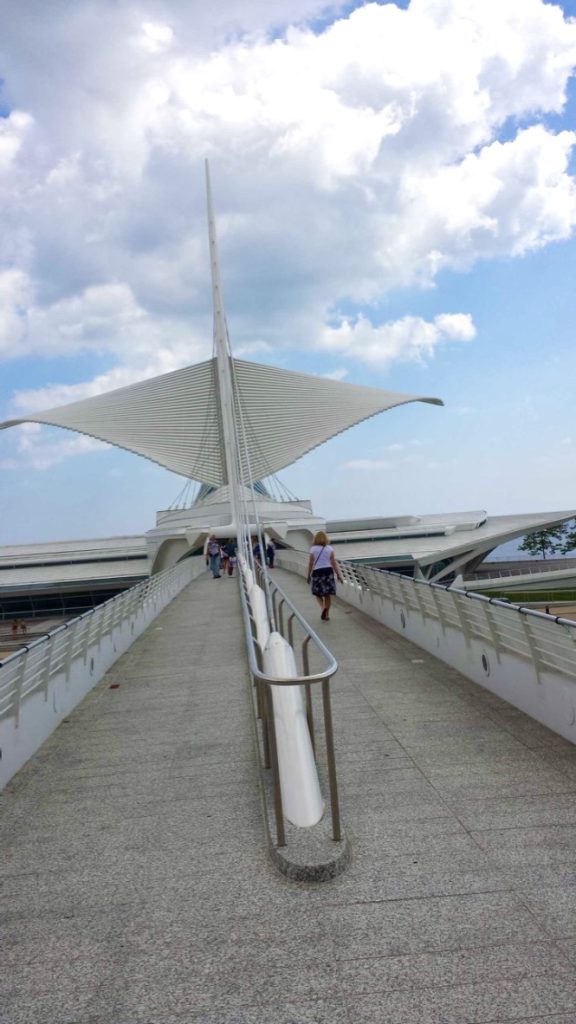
(169, 553)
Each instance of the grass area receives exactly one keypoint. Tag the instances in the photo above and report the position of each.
(532, 596)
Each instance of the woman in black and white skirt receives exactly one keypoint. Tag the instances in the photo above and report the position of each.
(322, 568)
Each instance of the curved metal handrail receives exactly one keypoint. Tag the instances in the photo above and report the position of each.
(317, 677)
(48, 635)
(264, 682)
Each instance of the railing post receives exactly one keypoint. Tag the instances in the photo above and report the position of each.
(261, 706)
(46, 666)
(261, 694)
(532, 646)
(307, 690)
(19, 682)
(86, 645)
(278, 809)
(493, 632)
(100, 623)
(336, 831)
(438, 607)
(459, 609)
(69, 648)
(258, 655)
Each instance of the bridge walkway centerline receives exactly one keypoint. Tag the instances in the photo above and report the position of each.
(136, 884)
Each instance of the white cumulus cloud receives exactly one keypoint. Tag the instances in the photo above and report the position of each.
(411, 339)
(367, 464)
(338, 374)
(41, 449)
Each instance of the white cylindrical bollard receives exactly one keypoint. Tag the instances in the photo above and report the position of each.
(257, 600)
(301, 797)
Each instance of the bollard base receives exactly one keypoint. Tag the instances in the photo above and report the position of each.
(311, 855)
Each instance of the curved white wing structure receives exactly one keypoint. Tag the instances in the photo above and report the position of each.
(172, 420)
(287, 414)
(175, 420)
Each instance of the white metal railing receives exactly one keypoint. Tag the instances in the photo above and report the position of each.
(546, 641)
(31, 669)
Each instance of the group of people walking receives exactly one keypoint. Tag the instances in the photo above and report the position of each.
(323, 569)
(221, 558)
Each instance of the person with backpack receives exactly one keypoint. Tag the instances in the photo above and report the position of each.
(213, 556)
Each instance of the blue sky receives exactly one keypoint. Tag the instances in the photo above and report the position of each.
(395, 196)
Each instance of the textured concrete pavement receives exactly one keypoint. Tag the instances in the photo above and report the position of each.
(136, 888)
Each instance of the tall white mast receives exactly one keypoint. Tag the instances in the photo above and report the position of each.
(223, 361)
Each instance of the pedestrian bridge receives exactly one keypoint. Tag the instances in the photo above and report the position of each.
(136, 881)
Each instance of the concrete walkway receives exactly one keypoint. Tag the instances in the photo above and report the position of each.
(136, 885)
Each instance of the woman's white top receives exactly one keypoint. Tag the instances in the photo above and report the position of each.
(321, 556)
